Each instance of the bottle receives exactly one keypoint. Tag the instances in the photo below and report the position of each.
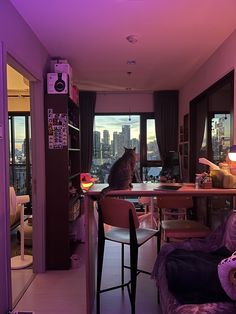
(197, 181)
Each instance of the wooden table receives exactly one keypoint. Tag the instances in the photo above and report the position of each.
(139, 189)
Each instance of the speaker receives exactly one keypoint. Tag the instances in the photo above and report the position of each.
(57, 83)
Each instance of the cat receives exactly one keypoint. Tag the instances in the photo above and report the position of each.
(121, 172)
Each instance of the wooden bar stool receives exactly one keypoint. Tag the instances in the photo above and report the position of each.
(180, 227)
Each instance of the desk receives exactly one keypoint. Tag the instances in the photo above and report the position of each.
(139, 189)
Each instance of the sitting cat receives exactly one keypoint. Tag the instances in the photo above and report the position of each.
(121, 172)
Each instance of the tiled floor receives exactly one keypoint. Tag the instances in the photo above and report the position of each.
(63, 292)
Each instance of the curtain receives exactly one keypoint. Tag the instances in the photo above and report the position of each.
(166, 121)
(87, 101)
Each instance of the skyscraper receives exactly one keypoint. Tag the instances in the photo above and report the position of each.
(126, 135)
(97, 144)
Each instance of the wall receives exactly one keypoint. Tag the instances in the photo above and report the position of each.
(22, 45)
(217, 66)
(124, 102)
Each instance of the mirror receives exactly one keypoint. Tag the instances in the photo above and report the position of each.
(20, 169)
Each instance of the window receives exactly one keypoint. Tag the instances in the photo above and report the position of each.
(20, 157)
(211, 113)
(151, 166)
(220, 136)
(114, 132)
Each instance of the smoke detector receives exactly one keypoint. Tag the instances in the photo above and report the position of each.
(132, 39)
(131, 62)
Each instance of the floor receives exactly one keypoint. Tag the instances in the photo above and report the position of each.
(21, 278)
(62, 292)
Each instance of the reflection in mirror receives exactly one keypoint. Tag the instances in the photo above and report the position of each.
(20, 169)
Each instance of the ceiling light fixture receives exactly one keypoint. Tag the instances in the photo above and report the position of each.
(131, 62)
(132, 39)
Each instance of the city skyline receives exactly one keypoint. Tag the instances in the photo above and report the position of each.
(114, 124)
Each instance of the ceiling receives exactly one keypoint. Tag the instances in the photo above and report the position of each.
(174, 38)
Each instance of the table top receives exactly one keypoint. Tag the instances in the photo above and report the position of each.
(154, 189)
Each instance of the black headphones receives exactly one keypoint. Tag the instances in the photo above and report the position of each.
(59, 84)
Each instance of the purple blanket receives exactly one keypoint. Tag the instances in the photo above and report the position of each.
(223, 236)
(192, 276)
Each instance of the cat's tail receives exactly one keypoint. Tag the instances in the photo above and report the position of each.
(104, 192)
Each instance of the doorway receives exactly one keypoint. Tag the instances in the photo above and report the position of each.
(20, 174)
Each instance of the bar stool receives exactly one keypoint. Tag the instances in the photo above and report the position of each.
(121, 215)
(179, 228)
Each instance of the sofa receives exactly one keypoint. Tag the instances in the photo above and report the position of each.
(223, 237)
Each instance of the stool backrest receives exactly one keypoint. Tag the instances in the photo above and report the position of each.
(174, 202)
(115, 212)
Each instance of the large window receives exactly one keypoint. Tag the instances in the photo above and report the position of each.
(114, 132)
(211, 113)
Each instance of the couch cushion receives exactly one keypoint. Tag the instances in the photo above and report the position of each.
(192, 275)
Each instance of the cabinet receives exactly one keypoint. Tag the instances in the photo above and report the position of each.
(62, 122)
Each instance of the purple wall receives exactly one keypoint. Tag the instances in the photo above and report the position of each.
(217, 66)
(20, 41)
(124, 102)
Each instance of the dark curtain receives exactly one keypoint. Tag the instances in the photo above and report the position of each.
(166, 121)
(87, 101)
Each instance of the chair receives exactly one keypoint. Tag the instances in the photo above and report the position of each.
(179, 228)
(148, 204)
(22, 260)
(121, 215)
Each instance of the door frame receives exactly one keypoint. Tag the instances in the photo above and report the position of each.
(38, 176)
(38, 163)
(5, 269)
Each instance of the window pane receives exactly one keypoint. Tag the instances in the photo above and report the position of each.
(151, 174)
(20, 140)
(152, 148)
(111, 134)
(220, 133)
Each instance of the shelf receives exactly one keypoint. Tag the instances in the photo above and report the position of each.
(63, 175)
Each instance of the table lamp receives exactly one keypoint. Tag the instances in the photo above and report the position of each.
(86, 181)
(232, 153)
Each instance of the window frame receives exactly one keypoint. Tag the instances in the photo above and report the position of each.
(28, 163)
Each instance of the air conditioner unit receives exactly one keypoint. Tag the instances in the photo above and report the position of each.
(57, 83)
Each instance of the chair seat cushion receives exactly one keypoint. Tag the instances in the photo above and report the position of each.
(122, 235)
(185, 228)
(192, 275)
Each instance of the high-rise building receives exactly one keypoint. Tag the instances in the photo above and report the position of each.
(126, 135)
(115, 144)
(97, 144)
(106, 137)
